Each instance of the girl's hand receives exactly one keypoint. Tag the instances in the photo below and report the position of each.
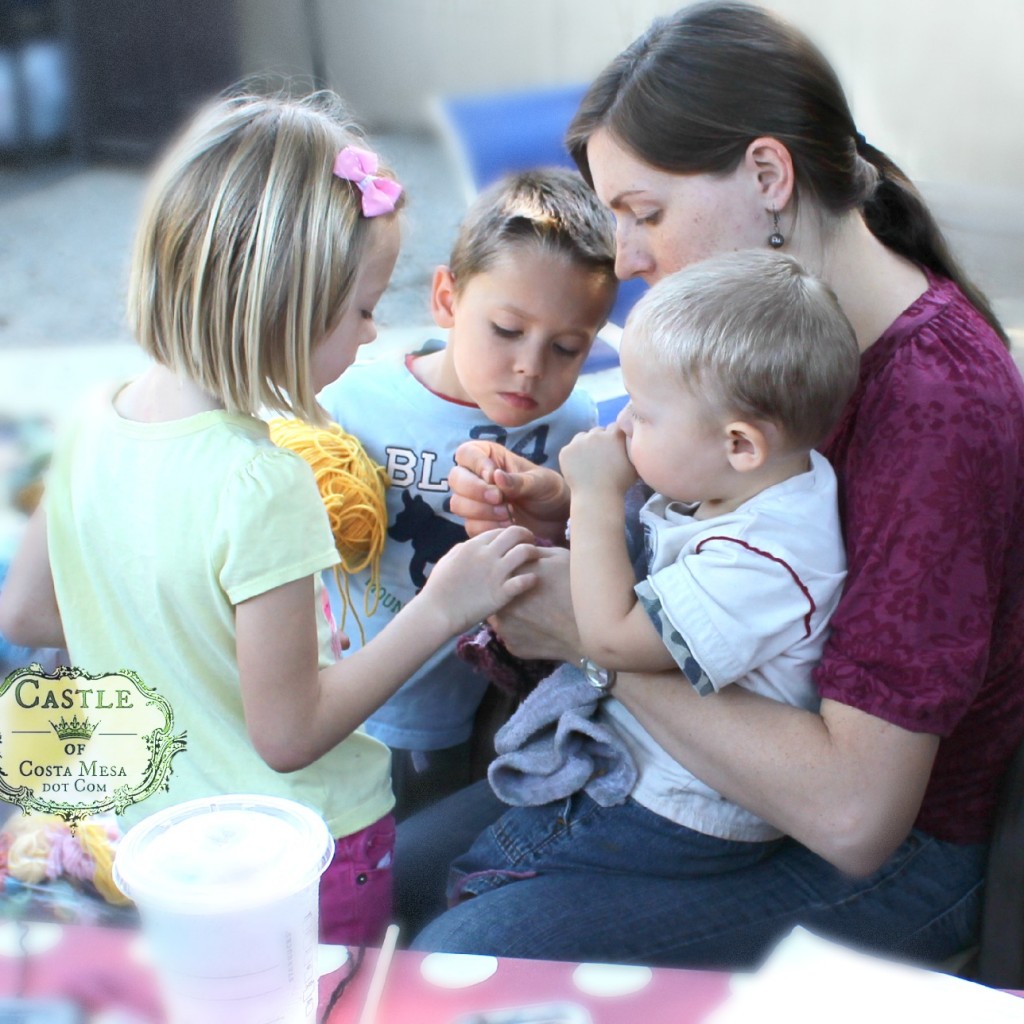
(597, 461)
(492, 486)
(481, 575)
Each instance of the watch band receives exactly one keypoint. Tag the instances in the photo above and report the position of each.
(602, 679)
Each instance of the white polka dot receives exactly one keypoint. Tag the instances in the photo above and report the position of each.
(330, 958)
(36, 938)
(457, 970)
(140, 952)
(611, 979)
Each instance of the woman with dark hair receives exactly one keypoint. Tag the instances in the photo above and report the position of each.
(723, 128)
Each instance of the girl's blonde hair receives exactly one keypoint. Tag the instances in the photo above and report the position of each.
(247, 249)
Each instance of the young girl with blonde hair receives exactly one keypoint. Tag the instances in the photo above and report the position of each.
(178, 541)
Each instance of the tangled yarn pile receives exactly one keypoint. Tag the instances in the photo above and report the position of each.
(36, 848)
(353, 489)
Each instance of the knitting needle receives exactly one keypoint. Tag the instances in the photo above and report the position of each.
(380, 970)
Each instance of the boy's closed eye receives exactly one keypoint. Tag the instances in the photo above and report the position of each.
(568, 349)
(506, 332)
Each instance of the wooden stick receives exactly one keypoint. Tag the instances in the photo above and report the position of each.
(380, 970)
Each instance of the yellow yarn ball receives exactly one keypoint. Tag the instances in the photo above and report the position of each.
(354, 492)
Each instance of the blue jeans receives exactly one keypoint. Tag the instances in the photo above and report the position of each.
(574, 881)
(428, 842)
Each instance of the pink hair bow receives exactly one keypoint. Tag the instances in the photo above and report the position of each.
(380, 194)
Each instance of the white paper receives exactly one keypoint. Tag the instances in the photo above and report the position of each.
(808, 980)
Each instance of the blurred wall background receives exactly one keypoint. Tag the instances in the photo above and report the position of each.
(934, 81)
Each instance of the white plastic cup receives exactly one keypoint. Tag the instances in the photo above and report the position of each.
(227, 891)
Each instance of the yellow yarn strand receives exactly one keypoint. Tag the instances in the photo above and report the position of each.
(353, 488)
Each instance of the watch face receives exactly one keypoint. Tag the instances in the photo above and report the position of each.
(598, 677)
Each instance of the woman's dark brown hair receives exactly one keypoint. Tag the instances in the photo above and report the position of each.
(698, 87)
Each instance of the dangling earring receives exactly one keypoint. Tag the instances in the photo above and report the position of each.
(775, 239)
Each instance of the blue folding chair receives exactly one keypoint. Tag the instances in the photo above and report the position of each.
(497, 133)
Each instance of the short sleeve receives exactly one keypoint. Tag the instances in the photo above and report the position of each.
(732, 607)
(927, 525)
(273, 525)
(930, 455)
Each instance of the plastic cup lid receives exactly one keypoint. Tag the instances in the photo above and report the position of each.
(222, 853)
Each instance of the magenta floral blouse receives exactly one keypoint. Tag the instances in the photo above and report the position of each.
(929, 634)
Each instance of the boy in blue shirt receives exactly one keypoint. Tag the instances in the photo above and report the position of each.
(530, 282)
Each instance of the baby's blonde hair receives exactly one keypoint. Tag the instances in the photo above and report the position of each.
(756, 335)
(247, 249)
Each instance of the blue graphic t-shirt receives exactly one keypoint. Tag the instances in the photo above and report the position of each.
(413, 433)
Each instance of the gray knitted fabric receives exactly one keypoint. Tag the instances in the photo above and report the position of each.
(552, 747)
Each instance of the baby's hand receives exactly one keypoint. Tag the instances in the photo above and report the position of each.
(597, 460)
(481, 575)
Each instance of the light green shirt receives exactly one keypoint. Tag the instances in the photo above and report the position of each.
(156, 532)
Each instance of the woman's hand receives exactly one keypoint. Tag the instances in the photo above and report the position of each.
(541, 624)
(491, 486)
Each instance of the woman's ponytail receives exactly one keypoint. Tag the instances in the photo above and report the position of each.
(898, 216)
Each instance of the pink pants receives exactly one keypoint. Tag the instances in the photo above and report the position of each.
(355, 890)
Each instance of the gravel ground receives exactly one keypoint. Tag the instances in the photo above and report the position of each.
(66, 233)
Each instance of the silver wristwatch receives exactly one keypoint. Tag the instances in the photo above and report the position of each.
(602, 679)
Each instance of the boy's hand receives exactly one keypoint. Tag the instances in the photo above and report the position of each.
(481, 575)
(597, 461)
(491, 486)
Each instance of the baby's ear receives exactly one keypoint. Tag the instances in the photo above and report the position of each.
(442, 297)
(746, 446)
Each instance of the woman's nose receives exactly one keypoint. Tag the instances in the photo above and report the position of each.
(631, 258)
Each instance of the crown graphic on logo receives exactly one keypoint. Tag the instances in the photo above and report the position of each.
(75, 729)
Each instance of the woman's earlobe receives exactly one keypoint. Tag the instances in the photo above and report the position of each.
(772, 164)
